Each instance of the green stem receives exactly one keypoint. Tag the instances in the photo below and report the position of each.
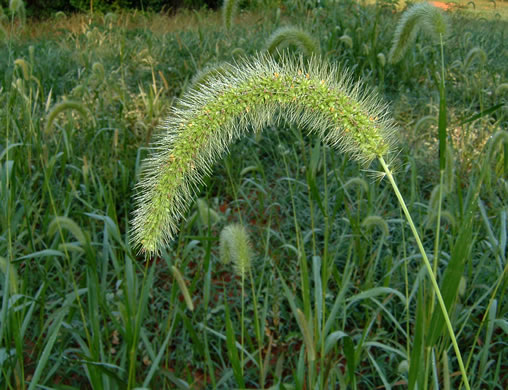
(429, 270)
(242, 322)
(442, 113)
(258, 331)
(438, 229)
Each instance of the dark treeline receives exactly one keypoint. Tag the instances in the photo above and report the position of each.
(41, 8)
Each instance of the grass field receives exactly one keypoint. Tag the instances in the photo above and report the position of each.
(331, 290)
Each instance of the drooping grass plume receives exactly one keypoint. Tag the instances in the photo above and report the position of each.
(16, 6)
(183, 287)
(238, 52)
(235, 247)
(25, 68)
(365, 49)
(98, 70)
(475, 54)
(204, 123)
(501, 89)
(110, 18)
(358, 182)
(229, 9)
(64, 106)
(423, 16)
(290, 35)
(60, 15)
(203, 76)
(376, 220)
(59, 224)
(347, 40)
(207, 215)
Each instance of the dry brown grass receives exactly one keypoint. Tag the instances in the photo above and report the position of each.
(161, 23)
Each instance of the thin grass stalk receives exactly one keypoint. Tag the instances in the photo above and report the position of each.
(324, 263)
(442, 111)
(429, 270)
(242, 322)
(257, 329)
(406, 284)
(438, 230)
(207, 265)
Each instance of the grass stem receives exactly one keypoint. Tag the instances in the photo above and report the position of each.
(426, 261)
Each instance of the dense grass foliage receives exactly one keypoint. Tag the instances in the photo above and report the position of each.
(334, 294)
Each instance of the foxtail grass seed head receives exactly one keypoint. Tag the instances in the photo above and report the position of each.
(423, 16)
(207, 215)
(290, 35)
(25, 68)
(229, 9)
(98, 70)
(65, 106)
(357, 182)
(238, 52)
(347, 40)
(202, 77)
(200, 128)
(376, 220)
(235, 247)
(501, 89)
(16, 6)
(476, 54)
(60, 223)
(110, 18)
(183, 287)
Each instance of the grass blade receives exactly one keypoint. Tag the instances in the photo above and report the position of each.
(231, 347)
(44, 358)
